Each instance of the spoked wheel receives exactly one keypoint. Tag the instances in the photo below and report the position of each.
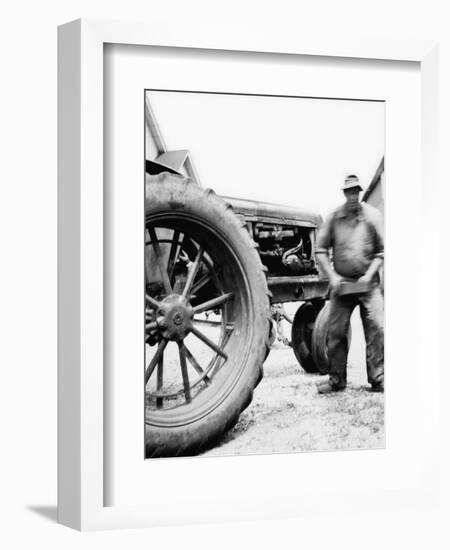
(302, 335)
(206, 317)
(185, 310)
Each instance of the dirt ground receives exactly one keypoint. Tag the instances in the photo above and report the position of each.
(287, 414)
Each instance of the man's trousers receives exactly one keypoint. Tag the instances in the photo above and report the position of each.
(372, 316)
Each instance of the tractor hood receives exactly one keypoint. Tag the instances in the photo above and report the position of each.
(274, 213)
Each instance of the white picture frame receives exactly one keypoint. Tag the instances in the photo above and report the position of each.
(81, 482)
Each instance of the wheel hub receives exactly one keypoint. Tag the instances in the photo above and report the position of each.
(174, 318)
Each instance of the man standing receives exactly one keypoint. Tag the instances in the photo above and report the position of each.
(354, 234)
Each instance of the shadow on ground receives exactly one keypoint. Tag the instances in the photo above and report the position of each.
(50, 513)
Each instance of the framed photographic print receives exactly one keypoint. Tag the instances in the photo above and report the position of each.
(269, 306)
(235, 216)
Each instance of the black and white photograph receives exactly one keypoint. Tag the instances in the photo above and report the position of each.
(264, 261)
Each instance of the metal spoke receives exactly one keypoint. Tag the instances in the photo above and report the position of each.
(207, 322)
(197, 367)
(229, 327)
(181, 246)
(152, 302)
(173, 253)
(217, 363)
(192, 273)
(201, 282)
(159, 260)
(159, 382)
(208, 342)
(155, 359)
(211, 304)
(184, 372)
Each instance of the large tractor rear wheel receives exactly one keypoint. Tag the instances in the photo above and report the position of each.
(207, 317)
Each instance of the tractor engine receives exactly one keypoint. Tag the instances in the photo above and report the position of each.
(285, 249)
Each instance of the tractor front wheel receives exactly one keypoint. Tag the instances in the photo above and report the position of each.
(302, 336)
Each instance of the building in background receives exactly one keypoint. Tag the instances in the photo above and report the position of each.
(374, 194)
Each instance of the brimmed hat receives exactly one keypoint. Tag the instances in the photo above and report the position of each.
(351, 181)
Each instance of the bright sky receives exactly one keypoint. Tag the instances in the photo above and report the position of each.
(285, 150)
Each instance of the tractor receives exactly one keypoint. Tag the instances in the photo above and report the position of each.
(215, 269)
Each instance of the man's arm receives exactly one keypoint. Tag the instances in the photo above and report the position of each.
(375, 265)
(324, 243)
(377, 224)
(323, 260)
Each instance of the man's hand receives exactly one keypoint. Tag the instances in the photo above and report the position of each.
(365, 279)
(324, 262)
(335, 280)
(370, 273)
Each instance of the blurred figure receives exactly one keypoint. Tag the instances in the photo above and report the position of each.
(353, 233)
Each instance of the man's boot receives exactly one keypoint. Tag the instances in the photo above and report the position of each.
(327, 387)
(378, 387)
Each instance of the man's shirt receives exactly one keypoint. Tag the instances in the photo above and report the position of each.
(355, 239)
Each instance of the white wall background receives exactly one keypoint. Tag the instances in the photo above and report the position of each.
(28, 269)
